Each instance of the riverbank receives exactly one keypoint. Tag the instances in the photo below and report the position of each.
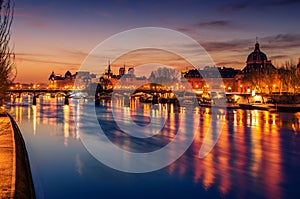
(7, 158)
(15, 177)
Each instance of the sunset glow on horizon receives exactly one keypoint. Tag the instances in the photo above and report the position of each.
(58, 35)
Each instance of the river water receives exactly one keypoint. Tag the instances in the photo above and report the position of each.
(256, 156)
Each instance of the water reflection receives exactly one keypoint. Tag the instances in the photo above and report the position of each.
(48, 111)
(256, 156)
(33, 118)
(66, 123)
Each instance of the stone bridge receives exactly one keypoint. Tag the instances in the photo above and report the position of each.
(37, 92)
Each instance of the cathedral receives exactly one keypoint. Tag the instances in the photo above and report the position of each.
(257, 61)
(259, 74)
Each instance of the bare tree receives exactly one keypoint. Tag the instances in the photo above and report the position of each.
(254, 80)
(165, 76)
(268, 78)
(7, 57)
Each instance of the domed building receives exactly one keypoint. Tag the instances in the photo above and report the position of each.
(258, 75)
(257, 61)
(61, 82)
(68, 75)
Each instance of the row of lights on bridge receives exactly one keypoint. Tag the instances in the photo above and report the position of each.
(20, 86)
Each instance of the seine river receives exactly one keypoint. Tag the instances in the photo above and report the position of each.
(256, 156)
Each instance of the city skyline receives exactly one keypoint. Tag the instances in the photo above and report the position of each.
(57, 36)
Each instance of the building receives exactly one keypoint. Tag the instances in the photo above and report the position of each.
(298, 67)
(122, 71)
(131, 71)
(206, 78)
(258, 75)
(258, 62)
(82, 79)
(123, 80)
(108, 74)
(61, 82)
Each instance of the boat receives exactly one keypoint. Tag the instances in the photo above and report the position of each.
(146, 98)
(286, 107)
(226, 106)
(255, 106)
(218, 103)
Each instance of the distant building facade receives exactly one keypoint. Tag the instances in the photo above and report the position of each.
(109, 80)
(82, 78)
(259, 75)
(205, 78)
(61, 82)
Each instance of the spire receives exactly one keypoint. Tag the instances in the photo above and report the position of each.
(52, 76)
(256, 49)
(109, 70)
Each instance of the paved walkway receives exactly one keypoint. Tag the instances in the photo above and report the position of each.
(7, 159)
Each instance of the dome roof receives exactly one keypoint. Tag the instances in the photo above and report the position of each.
(68, 74)
(256, 56)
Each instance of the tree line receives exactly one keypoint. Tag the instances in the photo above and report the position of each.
(282, 79)
(7, 56)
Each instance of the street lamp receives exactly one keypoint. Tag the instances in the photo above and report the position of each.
(274, 86)
(248, 90)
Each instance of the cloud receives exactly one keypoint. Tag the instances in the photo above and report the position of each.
(104, 13)
(234, 7)
(228, 63)
(50, 62)
(281, 41)
(240, 6)
(183, 29)
(26, 15)
(19, 12)
(283, 38)
(279, 57)
(285, 2)
(202, 25)
(36, 24)
(215, 24)
(74, 53)
(231, 45)
(27, 54)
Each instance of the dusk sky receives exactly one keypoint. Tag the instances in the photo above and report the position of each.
(57, 35)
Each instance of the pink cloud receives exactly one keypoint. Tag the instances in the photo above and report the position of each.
(36, 24)
(47, 61)
(104, 13)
